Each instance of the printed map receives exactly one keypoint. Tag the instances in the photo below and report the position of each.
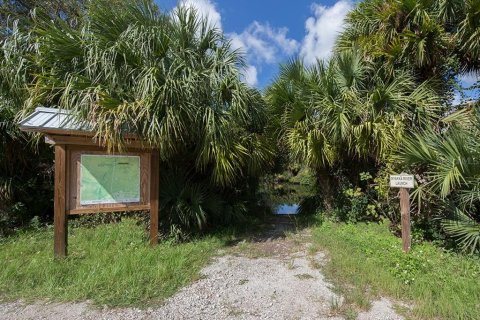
(109, 179)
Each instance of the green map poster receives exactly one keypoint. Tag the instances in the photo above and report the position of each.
(109, 179)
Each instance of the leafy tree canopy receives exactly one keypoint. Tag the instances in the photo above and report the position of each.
(436, 39)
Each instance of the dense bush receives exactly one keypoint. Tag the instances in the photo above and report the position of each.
(25, 163)
(344, 117)
(26, 172)
(449, 170)
(437, 40)
(393, 73)
(171, 79)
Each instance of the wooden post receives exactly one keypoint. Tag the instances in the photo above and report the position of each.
(405, 213)
(154, 202)
(59, 217)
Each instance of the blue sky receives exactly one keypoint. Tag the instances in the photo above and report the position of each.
(270, 32)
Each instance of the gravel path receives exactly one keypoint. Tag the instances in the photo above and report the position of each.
(263, 288)
(281, 281)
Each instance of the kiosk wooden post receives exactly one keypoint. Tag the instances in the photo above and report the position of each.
(154, 194)
(77, 155)
(59, 204)
(404, 182)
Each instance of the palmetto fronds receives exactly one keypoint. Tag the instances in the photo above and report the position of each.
(433, 38)
(469, 35)
(345, 108)
(13, 78)
(451, 161)
(465, 230)
(24, 164)
(171, 79)
(345, 115)
(186, 203)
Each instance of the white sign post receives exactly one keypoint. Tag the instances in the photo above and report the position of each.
(404, 182)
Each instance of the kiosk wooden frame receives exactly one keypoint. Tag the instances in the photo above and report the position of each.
(71, 140)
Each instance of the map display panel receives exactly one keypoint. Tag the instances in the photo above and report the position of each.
(109, 179)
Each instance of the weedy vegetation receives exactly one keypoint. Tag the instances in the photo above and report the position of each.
(110, 264)
(366, 262)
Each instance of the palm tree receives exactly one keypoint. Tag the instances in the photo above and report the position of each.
(437, 40)
(468, 37)
(345, 115)
(22, 11)
(171, 79)
(449, 164)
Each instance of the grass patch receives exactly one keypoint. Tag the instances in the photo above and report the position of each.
(366, 261)
(110, 264)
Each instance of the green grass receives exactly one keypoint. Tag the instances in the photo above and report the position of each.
(366, 261)
(110, 264)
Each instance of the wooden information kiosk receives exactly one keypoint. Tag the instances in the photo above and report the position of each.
(88, 179)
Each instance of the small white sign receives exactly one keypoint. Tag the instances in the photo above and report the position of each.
(402, 181)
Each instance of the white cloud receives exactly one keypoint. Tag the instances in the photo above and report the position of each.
(469, 79)
(263, 44)
(250, 75)
(466, 92)
(322, 30)
(206, 9)
(457, 99)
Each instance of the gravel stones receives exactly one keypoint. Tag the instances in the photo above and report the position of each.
(264, 288)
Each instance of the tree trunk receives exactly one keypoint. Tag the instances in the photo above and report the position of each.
(327, 185)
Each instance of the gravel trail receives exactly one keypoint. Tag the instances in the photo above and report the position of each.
(269, 278)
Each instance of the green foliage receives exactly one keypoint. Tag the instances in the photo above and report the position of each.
(358, 206)
(345, 115)
(184, 202)
(303, 176)
(435, 39)
(465, 231)
(469, 35)
(366, 261)
(394, 70)
(23, 11)
(288, 187)
(450, 173)
(190, 205)
(25, 166)
(171, 79)
(357, 203)
(110, 264)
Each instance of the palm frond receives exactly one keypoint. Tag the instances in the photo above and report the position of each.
(464, 230)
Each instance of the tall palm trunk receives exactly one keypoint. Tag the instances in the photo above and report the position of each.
(327, 185)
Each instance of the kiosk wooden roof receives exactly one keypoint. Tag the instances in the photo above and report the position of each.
(61, 126)
(51, 120)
